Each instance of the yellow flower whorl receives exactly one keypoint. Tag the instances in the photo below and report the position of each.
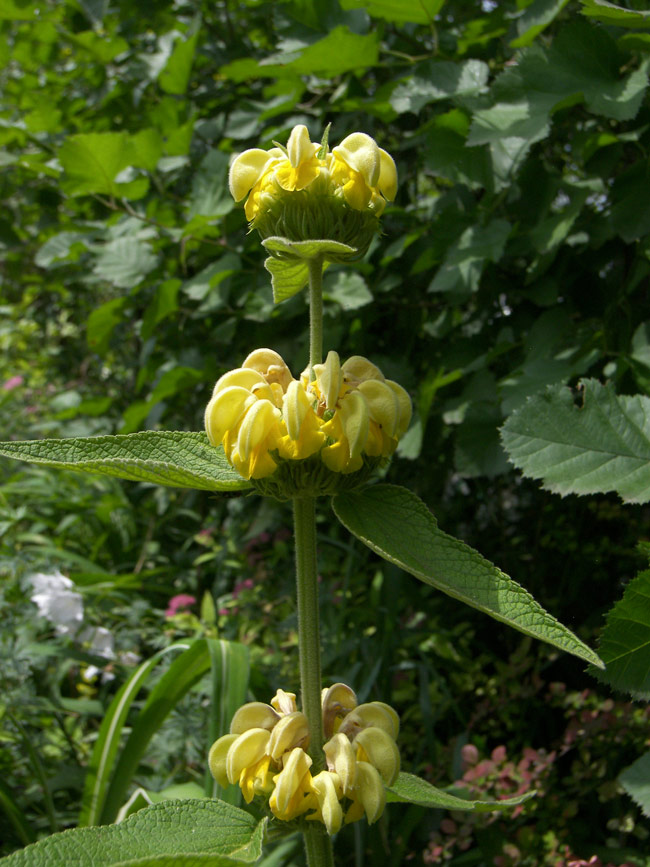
(265, 753)
(321, 433)
(306, 192)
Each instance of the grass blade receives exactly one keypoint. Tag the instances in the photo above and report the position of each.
(102, 760)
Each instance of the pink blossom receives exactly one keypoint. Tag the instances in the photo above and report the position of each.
(469, 754)
(183, 600)
(12, 382)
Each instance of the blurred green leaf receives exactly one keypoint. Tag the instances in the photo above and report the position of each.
(465, 260)
(394, 523)
(602, 446)
(402, 11)
(617, 16)
(125, 262)
(348, 289)
(534, 19)
(102, 322)
(92, 163)
(175, 76)
(434, 80)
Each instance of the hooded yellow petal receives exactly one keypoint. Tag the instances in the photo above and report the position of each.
(361, 153)
(300, 147)
(383, 404)
(246, 750)
(254, 715)
(225, 411)
(341, 759)
(387, 175)
(257, 425)
(217, 758)
(377, 747)
(327, 788)
(291, 731)
(245, 171)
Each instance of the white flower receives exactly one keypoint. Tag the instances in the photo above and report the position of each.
(99, 641)
(57, 602)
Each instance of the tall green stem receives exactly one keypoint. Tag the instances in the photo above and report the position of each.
(318, 844)
(304, 522)
(315, 310)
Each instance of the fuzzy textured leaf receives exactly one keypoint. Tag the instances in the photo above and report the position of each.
(414, 790)
(602, 446)
(625, 642)
(180, 459)
(178, 833)
(397, 525)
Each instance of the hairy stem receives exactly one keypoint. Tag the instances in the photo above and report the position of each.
(304, 518)
(315, 310)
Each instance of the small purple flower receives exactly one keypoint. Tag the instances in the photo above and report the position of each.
(183, 600)
(12, 382)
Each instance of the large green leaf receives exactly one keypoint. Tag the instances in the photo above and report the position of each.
(625, 642)
(602, 446)
(180, 459)
(398, 526)
(102, 760)
(414, 790)
(288, 263)
(181, 833)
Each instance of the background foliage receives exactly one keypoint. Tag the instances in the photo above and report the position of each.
(516, 257)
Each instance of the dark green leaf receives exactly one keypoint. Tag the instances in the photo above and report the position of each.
(409, 789)
(625, 642)
(396, 524)
(636, 782)
(602, 446)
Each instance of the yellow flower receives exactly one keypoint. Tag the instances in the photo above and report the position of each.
(266, 755)
(305, 191)
(348, 417)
